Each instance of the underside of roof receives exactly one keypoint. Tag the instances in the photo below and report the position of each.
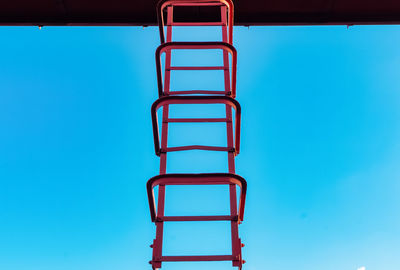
(247, 12)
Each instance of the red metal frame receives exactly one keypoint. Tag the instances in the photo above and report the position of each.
(197, 179)
(168, 47)
(228, 4)
(166, 101)
(223, 97)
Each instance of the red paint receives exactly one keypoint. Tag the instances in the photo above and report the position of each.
(224, 97)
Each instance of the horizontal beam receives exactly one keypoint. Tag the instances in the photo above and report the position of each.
(247, 12)
(197, 218)
(201, 92)
(198, 68)
(197, 147)
(203, 258)
(195, 120)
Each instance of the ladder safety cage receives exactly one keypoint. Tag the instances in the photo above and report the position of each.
(168, 98)
(232, 103)
(197, 179)
(226, 15)
(225, 47)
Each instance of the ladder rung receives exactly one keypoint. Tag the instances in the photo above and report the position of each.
(197, 218)
(198, 68)
(195, 120)
(195, 4)
(196, 24)
(203, 258)
(209, 92)
(197, 147)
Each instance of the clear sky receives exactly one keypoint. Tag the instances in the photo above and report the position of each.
(320, 150)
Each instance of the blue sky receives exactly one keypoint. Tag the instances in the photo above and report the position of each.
(320, 150)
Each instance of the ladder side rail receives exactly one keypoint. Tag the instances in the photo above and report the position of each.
(236, 248)
(158, 243)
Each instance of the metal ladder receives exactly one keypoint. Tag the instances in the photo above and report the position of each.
(167, 97)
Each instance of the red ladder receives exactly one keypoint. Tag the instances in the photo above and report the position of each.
(168, 97)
